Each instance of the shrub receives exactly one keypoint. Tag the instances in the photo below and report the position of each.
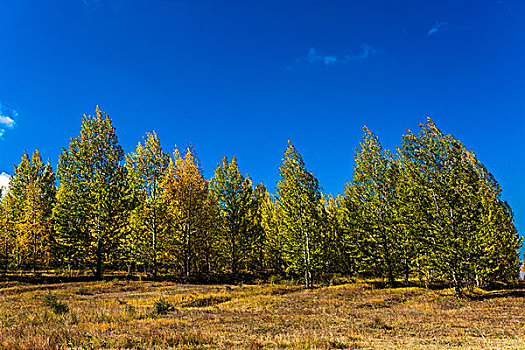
(130, 309)
(83, 291)
(162, 306)
(58, 307)
(207, 301)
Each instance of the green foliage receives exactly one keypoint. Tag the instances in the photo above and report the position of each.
(94, 197)
(300, 217)
(29, 203)
(146, 170)
(189, 215)
(273, 242)
(6, 236)
(372, 198)
(207, 301)
(338, 249)
(51, 301)
(431, 211)
(239, 222)
(454, 199)
(162, 306)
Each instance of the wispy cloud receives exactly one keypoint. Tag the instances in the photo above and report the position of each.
(315, 57)
(90, 2)
(364, 52)
(436, 28)
(4, 183)
(7, 118)
(92, 5)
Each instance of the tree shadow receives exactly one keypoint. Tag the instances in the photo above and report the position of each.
(496, 294)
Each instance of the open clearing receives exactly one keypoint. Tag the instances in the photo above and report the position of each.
(122, 315)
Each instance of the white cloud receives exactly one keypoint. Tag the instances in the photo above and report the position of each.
(4, 183)
(7, 118)
(436, 28)
(6, 121)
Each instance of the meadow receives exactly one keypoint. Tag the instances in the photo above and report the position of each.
(121, 314)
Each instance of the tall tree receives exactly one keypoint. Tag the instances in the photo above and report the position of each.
(146, 170)
(273, 239)
(256, 259)
(299, 202)
(6, 236)
(373, 193)
(94, 195)
(234, 195)
(339, 245)
(185, 192)
(497, 242)
(30, 201)
(453, 198)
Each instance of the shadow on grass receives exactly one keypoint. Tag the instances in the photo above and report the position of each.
(203, 279)
(496, 294)
(31, 279)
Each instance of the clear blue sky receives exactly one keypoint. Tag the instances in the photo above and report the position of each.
(243, 77)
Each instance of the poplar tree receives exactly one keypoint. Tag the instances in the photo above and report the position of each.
(299, 202)
(94, 197)
(146, 170)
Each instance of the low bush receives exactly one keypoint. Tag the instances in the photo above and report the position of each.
(162, 306)
(58, 307)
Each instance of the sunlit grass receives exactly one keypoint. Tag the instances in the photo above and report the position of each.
(123, 315)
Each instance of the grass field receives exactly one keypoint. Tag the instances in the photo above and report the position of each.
(164, 315)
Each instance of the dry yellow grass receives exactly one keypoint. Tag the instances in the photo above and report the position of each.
(120, 315)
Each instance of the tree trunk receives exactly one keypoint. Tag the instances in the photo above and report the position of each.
(154, 254)
(306, 256)
(407, 269)
(187, 254)
(456, 279)
(98, 271)
(6, 254)
(388, 260)
(234, 266)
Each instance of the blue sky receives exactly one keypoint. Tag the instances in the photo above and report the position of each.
(241, 78)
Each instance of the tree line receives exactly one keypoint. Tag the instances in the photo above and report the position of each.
(430, 211)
